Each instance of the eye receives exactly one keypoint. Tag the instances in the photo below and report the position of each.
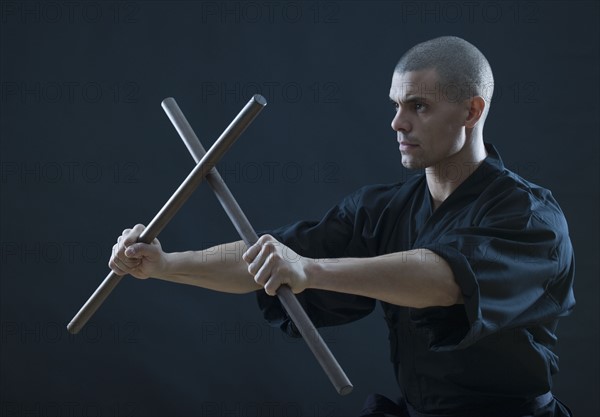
(394, 105)
(420, 107)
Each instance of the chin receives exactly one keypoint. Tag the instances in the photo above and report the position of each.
(412, 164)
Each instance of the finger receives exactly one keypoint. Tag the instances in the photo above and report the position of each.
(252, 252)
(140, 250)
(125, 260)
(272, 286)
(115, 268)
(265, 273)
(125, 233)
(128, 260)
(115, 250)
(255, 249)
(116, 255)
(127, 266)
(131, 235)
(265, 238)
(274, 279)
(139, 228)
(254, 266)
(118, 246)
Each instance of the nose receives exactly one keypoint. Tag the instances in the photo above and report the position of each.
(400, 123)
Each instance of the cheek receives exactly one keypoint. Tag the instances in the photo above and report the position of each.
(455, 138)
(454, 129)
(451, 123)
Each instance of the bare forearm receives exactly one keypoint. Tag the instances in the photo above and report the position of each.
(418, 278)
(219, 268)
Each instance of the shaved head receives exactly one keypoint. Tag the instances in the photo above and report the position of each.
(463, 70)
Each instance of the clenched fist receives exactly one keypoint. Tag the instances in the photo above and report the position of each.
(273, 264)
(138, 259)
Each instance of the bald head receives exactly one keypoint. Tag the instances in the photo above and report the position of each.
(462, 69)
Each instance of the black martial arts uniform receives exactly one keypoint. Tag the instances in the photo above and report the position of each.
(507, 243)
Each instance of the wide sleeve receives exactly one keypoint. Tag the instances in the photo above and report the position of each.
(514, 265)
(334, 236)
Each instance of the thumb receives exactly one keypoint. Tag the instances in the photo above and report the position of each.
(140, 250)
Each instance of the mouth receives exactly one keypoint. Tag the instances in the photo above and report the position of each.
(407, 146)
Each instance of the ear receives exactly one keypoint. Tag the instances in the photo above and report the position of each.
(476, 106)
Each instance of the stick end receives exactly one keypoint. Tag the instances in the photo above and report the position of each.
(167, 102)
(73, 328)
(346, 389)
(259, 99)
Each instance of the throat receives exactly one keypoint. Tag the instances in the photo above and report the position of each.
(443, 180)
(435, 203)
(438, 193)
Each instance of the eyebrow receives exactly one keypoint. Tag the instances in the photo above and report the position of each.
(410, 99)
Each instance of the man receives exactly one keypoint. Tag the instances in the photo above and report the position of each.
(472, 264)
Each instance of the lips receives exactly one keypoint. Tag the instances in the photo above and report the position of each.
(407, 146)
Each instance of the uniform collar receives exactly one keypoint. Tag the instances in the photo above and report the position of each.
(492, 165)
(493, 160)
(473, 186)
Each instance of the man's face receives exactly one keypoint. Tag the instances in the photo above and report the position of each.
(430, 123)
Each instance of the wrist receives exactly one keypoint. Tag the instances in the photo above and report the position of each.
(314, 272)
(167, 264)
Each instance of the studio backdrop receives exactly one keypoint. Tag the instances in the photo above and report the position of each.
(87, 151)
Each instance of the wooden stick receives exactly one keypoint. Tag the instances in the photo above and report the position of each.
(185, 190)
(289, 301)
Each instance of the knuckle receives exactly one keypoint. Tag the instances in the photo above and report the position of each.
(270, 288)
(265, 238)
(113, 265)
(269, 247)
(273, 259)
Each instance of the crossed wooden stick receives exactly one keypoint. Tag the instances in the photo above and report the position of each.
(205, 169)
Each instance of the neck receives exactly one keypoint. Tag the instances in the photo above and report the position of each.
(445, 177)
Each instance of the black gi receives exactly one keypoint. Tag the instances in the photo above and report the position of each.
(507, 242)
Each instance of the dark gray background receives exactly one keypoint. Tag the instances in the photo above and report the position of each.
(87, 151)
